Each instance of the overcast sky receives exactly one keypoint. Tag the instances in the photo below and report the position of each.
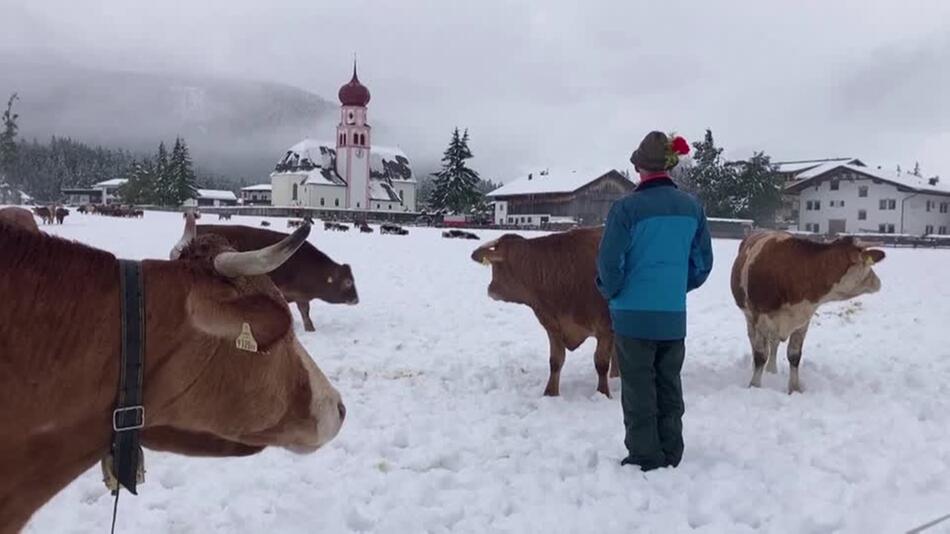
(557, 83)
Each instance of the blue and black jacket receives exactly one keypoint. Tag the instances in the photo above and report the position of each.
(655, 249)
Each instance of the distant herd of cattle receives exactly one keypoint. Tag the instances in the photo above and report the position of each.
(778, 281)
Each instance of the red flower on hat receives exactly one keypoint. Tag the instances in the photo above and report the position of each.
(680, 146)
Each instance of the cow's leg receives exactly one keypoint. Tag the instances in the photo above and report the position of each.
(558, 352)
(760, 348)
(614, 363)
(795, 357)
(304, 307)
(772, 365)
(602, 357)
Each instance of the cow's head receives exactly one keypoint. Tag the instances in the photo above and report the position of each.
(336, 285)
(242, 375)
(506, 283)
(859, 277)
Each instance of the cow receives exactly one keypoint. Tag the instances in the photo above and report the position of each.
(61, 214)
(224, 216)
(83, 209)
(779, 281)
(19, 217)
(297, 223)
(204, 393)
(336, 227)
(555, 276)
(265, 224)
(394, 229)
(458, 234)
(366, 229)
(309, 274)
(44, 213)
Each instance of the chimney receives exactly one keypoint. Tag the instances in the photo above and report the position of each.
(530, 176)
(934, 180)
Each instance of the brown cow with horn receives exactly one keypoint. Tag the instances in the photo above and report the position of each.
(204, 393)
(555, 276)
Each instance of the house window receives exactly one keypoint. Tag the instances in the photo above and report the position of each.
(511, 220)
(863, 191)
(929, 229)
(944, 206)
(930, 205)
(817, 205)
(835, 185)
(321, 201)
(892, 204)
(377, 205)
(336, 202)
(295, 192)
(862, 215)
(942, 230)
(885, 228)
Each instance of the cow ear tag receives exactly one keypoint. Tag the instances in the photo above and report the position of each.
(245, 341)
(869, 261)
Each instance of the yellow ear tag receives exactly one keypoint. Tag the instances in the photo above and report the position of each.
(485, 261)
(246, 341)
(869, 261)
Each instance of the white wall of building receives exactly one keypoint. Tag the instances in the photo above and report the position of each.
(407, 192)
(282, 189)
(904, 212)
(501, 211)
(325, 196)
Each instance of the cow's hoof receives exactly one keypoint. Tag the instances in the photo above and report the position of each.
(755, 384)
(309, 328)
(551, 392)
(795, 389)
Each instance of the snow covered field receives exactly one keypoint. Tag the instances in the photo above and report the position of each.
(447, 430)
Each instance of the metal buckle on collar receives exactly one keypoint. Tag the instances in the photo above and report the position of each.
(138, 423)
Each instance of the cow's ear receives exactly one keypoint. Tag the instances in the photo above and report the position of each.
(249, 322)
(872, 256)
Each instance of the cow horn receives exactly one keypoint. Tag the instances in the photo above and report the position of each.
(262, 261)
(190, 232)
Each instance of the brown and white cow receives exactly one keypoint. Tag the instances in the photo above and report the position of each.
(20, 217)
(555, 276)
(60, 339)
(309, 274)
(779, 281)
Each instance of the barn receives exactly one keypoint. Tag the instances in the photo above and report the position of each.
(547, 198)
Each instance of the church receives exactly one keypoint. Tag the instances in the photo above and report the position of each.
(349, 174)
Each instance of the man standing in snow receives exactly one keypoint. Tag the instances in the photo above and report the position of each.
(655, 248)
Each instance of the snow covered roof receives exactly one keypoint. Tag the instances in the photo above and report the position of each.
(115, 182)
(216, 194)
(918, 184)
(546, 182)
(317, 160)
(804, 165)
(258, 187)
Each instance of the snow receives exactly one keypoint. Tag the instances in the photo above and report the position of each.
(447, 430)
(386, 163)
(917, 183)
(216, 194)
(566, 181)
(804, 165)
(258, 187)
(115, 182)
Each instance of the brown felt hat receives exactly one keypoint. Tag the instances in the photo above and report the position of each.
(653, 153)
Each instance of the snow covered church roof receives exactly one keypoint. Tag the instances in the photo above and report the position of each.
(548, 182)
(316, 160)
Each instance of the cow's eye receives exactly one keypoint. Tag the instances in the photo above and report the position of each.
(347, 284)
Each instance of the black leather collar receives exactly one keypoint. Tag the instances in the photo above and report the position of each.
(128, 418)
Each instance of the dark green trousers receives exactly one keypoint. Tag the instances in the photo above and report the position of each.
(652, 400)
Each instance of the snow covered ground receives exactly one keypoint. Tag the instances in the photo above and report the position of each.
(447, 430)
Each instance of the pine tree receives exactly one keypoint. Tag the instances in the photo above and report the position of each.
(142, 185)
(456, 185)
(181, 175)
(710, 178)
(758, 189)
(8, 147)
(163, 185)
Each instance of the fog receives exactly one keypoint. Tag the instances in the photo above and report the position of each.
(551, 84)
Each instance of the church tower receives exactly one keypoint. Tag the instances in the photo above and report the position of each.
(353, 142)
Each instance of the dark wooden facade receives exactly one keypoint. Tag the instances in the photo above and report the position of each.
(589, 205)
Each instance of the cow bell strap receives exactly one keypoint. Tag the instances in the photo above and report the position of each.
(129, 415)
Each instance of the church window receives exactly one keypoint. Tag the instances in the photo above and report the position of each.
(355, 139)
(336, 202)
(321, 201)
(295, 192)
